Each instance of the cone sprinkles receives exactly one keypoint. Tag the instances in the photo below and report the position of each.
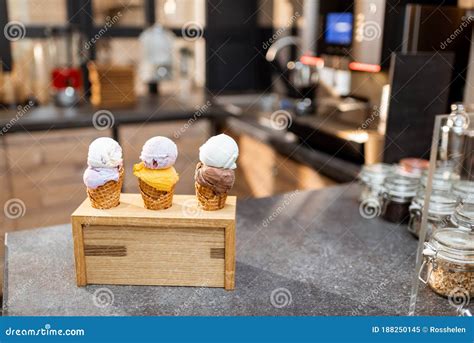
(104, 174)
(214, 175)
(156, 174)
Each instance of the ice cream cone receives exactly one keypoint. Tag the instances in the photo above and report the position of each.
(108, 195)
(155, 199)
(208, 200)
(156, 174)
(214, 175)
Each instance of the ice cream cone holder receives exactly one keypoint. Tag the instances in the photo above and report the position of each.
(180, 245)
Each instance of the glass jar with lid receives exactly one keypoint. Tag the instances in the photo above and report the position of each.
(446, 260)
(372, 177)
(441, 207)
(412, 167)
(443, 179)
(399, 191)
(448, 263)
(452, 138)
(463, 217)
(464, 190)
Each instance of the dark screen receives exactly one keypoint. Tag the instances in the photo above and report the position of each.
(5, 50)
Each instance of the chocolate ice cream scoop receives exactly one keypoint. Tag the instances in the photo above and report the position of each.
(220, 180)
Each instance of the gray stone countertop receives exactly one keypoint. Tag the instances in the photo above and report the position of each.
(301, 253)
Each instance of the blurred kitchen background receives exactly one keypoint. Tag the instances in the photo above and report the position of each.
(311, 90)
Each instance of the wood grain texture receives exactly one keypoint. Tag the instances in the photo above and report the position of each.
(179, 246)
(264, 172)
(217, 253)
(105, 250)
(79, 257)
(111, 85)
(183, 212)
(156, 256)
(230, 256)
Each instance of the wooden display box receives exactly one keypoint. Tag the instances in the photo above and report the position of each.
(179, 246)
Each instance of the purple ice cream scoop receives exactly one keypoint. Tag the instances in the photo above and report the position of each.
(159, 153)
(96, 177)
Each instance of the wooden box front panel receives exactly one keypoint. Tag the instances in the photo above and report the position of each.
(154, 256)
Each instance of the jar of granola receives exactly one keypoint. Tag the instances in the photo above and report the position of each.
(448, 265)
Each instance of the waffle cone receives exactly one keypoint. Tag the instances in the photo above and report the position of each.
(153, 198)
(208, 200)
(108, 195)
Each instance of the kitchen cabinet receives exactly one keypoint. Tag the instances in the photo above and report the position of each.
(44, 171)
(262, 171)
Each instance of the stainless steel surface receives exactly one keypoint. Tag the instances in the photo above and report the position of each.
(245, 104)
(348, 113)
(303, 75)
(281, 43)
(261, 109)
(309, 35)
(368, 31)
(67, 97)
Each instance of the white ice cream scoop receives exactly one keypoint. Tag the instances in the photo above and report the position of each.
(104, 152)
(219, 151)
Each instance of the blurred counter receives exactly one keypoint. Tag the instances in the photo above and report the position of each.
(298, 254)
(147, 109)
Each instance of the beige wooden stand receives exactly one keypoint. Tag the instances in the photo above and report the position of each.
(179, 246)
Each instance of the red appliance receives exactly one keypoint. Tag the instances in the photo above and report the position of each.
(66, 76)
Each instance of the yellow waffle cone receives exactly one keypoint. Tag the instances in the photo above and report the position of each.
(153, 198)
(108, 195)
(209, 200)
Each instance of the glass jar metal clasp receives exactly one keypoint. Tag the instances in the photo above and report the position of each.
(416, 212)
(429, 257)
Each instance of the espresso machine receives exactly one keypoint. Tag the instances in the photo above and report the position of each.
(5, 50)
(385, 70)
